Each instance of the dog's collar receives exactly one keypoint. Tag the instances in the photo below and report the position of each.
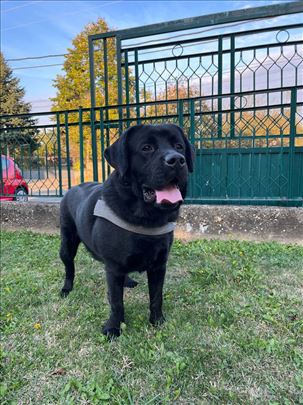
(104, 211)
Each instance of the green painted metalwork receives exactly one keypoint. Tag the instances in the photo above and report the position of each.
(102, 137)
(58, 138)
(273, 10)
(237, 93)
(119, 77)
(105, 72)
(220, 81)
(137, 86)
(232, 85)
(94, 143)
(92, 71)
(292, 143)
(127, 80)
(180, 114)
(81, 151)
(254, 166)
(68, 159)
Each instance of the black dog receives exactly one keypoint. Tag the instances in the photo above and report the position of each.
(144, 193)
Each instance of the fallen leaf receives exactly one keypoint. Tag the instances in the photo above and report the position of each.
(58, 371)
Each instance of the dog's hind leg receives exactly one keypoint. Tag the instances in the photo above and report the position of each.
(69, 246)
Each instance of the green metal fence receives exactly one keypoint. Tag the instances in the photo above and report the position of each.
(260, 164)
(238, 96)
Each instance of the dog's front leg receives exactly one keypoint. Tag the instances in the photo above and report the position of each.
(155, 286)
(115, 284)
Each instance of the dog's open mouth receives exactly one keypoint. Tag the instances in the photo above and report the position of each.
(168, 195)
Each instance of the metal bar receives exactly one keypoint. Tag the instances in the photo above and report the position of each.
(105, 68)
(81, 145)
(119, 76)
(92, 72)
(180, 114)
(211, 53)
(258, 150)
(232, 85)
(137, 87)
(192, 121)
(192, 130)
(272, 10)
(209, 97)
(94, 144)
(110, 34)
(107, 143)
(295, 202)
(30, 163)
(220, 81)
(59, 154)
(88, 123)
(102, 144)
(54, 153)
(207, 113)
(212, 37)
(67, 149)
(292, 138)
(46, 159)
(126, 85)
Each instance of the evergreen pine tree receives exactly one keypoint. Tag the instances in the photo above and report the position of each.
(15, 138)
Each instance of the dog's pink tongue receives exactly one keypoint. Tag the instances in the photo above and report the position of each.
(170, 194)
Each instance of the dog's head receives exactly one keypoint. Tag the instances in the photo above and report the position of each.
(155, 161)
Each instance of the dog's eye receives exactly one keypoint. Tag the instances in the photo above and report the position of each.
(148, 148)
(179, 146)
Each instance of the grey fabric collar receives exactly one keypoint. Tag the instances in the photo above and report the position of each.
(104, 211)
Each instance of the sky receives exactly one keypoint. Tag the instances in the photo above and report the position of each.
(34, 28)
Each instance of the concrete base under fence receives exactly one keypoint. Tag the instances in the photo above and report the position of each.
(196, 221)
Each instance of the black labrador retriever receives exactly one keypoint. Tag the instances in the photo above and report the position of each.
(141, 201)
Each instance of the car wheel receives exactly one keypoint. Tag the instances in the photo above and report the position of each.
(21, 195)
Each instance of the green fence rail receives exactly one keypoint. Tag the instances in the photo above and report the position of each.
(237, 92)
(244, 155)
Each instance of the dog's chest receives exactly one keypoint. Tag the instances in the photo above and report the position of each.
(147, 253)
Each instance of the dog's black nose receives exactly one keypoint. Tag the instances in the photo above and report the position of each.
(174, 159)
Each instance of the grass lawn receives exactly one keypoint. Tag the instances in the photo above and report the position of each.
(233, 333)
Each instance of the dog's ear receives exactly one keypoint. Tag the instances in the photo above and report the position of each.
(190, 152)
(117, 153)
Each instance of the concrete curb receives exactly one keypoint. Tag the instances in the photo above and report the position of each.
(256, 223)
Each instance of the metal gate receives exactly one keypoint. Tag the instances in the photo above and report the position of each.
(236, 91)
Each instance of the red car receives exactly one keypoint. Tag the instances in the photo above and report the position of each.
(13, 186)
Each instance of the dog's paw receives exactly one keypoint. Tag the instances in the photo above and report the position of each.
(111, 333)
(130, 283)
(156, 320)
(64, 293)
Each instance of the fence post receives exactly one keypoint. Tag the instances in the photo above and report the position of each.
(94, 144)
(137, 87)
(67, 148)
(92, 72)
(119, 77)
(192, 131)
(232, 85)
(180, 114)
(126, 87)
(102, 143)
(81, 145)
(105, 69)
(59, 154)
(292, 137)
(220, 81)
